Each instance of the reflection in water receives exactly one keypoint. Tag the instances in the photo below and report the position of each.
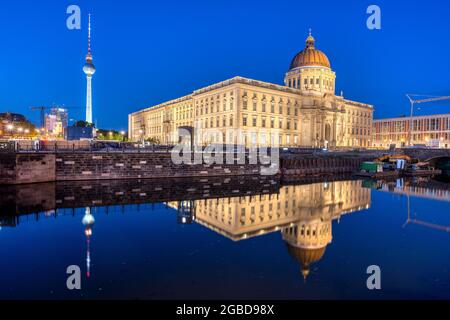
(237, 209)
(419, 188)
(88, 221)
(303, 214)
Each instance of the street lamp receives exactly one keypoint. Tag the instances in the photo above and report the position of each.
(122, 133)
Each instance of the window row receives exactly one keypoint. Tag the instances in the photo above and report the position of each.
(269, 123)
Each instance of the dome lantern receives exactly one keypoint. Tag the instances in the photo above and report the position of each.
(310, 41)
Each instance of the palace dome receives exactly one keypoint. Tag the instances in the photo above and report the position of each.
(306, 257)
(310, 56)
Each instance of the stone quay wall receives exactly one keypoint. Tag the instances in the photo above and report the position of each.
(299, 167)
(113, 166)
(22, 168)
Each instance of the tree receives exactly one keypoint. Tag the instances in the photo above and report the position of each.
(152, 140)
(83, 124)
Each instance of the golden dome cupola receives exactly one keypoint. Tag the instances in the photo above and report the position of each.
(310, 56)
(310, 70)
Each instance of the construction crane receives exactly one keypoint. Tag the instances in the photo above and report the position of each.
(414, 102)
(422, 223)
(42, 110)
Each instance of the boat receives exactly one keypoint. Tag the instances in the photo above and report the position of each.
(421, 169)
(377, 170)
(378, 175)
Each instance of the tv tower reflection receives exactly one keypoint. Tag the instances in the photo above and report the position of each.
(88, 221)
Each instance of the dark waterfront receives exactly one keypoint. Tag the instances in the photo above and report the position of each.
(234, 238)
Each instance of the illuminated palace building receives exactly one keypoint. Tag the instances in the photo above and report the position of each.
(433, 131)
(303, 112)
(303, 214)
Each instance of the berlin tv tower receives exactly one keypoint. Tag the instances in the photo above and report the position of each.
(89, 70)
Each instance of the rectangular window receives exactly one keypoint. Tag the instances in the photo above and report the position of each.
(254, 121)
(244, 121)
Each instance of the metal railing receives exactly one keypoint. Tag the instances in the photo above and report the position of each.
(66, 147)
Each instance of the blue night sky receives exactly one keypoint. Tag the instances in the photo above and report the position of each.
(147, 52)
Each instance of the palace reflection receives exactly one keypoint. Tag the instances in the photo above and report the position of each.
(302, 213)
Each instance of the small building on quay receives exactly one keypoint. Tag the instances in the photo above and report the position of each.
(304, 112)
(429, 131)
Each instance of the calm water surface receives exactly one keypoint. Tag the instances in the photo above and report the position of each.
(233, 238)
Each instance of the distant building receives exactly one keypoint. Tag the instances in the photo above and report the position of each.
(12, 117)
(56, 122)
(79, 133)
(14, 124)
(431, 131)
